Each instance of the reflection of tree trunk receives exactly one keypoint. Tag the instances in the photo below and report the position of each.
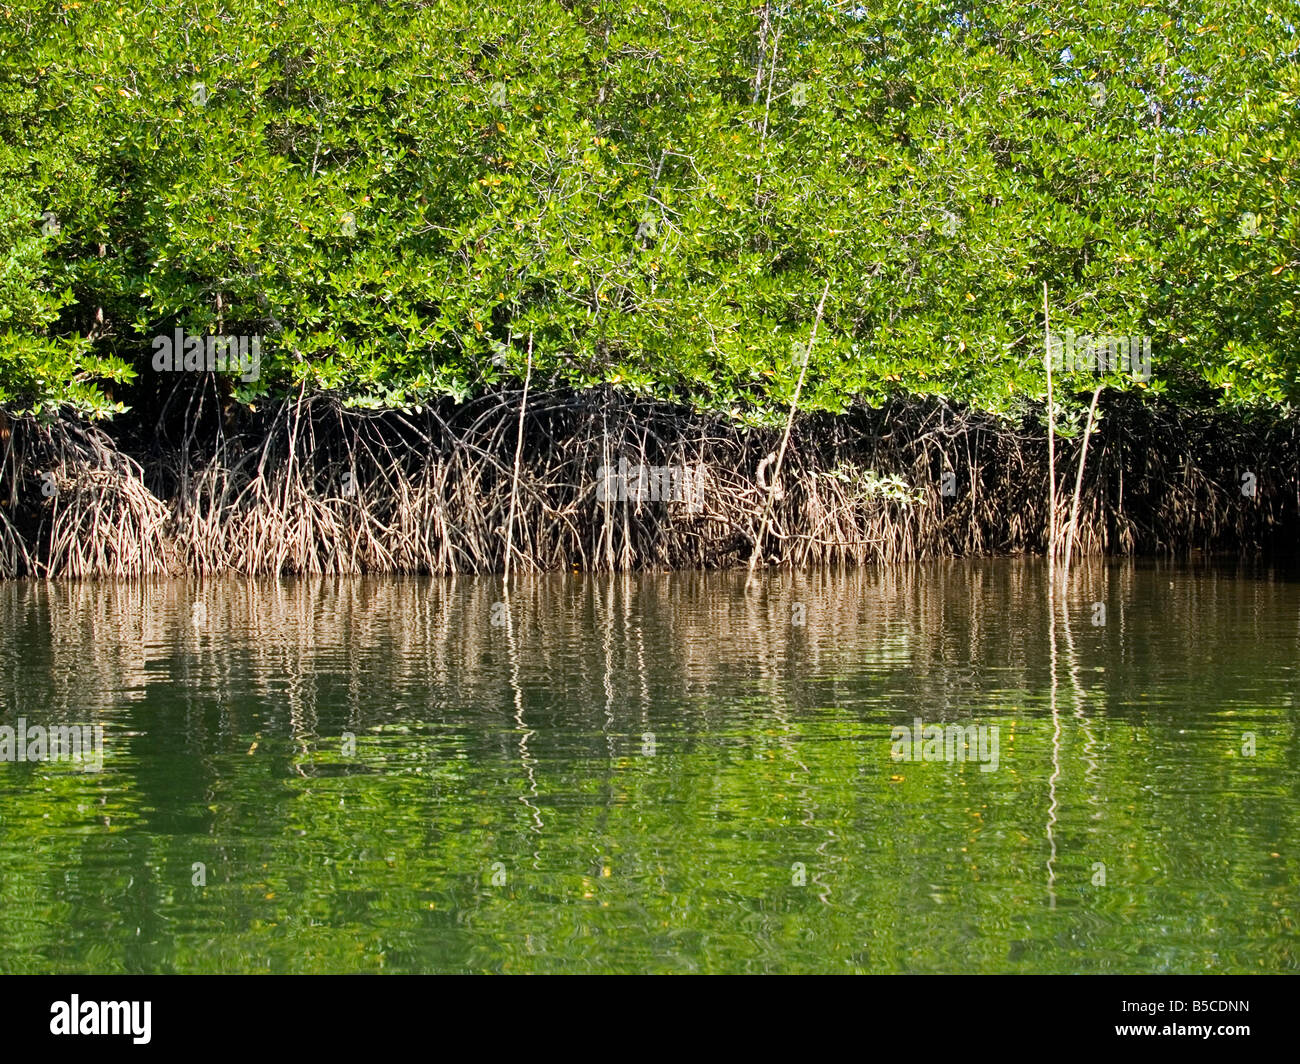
(778, 695)
(1056, 738)
(525, 733)
(1079, 698)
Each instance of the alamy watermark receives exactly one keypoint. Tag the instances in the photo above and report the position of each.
(642, 483)
(78, 1017)
(180, 353)
(1100, 354)
(64, 742)
(934, 742)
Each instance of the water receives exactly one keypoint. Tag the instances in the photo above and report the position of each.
(656, 773)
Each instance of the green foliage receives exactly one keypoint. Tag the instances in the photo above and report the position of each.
(38, 367)
(656, 193)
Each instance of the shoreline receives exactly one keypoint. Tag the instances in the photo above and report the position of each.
(602, 480)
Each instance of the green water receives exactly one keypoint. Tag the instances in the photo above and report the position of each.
(657, 773)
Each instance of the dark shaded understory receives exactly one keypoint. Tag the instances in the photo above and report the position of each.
(312, 488)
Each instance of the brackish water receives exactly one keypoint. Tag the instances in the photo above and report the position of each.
(657, 773)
